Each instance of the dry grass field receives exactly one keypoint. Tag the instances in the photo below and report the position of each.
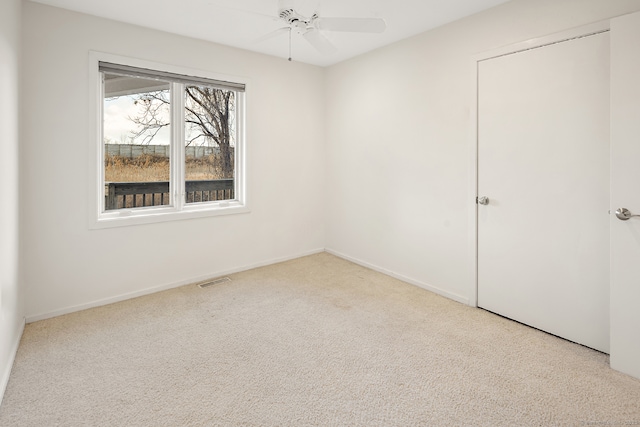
(155, 168)
(150, 168)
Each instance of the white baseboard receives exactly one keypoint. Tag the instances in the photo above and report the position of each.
(154, 289)
(4, 381)
(193, 280)
(434, 289)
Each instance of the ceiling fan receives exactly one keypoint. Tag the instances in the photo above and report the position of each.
(311, 27)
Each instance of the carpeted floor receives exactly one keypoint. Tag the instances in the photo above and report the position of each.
(317, 341)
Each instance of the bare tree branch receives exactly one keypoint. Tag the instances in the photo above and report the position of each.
(209, 115)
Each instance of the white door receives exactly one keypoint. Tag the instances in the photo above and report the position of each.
(625, 193)
(543, 163)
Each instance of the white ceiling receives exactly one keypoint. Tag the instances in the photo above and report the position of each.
(240, 22)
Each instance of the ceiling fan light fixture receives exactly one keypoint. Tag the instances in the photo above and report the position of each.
(300, 26)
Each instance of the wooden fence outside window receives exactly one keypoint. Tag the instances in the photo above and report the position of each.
(121, 195)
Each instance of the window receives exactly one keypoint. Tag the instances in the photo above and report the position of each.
(170, 144)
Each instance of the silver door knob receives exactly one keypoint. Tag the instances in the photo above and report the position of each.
(624, 214)
(484, 200)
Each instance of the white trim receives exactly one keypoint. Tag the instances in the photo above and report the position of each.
(178, 151)
(4, 382)
(473, 193)
(177, 210)
(434, 289)
(240, 151)
(153, 216)
(582, 31)
(578, 32)
(154, 289)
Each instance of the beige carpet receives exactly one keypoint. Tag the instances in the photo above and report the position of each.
(316, 341)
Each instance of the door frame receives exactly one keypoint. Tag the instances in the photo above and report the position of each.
(574, 33)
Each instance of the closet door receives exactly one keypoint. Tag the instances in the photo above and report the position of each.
(543, 165)
(625, 194)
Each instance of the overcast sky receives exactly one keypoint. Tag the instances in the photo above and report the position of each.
(118, 128)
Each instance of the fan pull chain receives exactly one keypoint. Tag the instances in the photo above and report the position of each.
(289, 44)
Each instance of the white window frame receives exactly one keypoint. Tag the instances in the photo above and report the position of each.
(179, 209)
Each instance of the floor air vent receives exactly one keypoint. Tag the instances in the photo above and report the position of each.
(214, 282)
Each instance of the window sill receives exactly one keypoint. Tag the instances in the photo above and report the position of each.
(141, 216)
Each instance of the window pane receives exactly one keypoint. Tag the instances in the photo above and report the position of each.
(136, 131)
(210, 139)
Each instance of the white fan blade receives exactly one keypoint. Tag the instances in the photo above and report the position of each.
(272, 34)
(354, 25)
(319, 41)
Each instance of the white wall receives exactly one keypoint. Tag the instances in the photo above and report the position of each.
(398, 145)
(68, 266)
(11, 306)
